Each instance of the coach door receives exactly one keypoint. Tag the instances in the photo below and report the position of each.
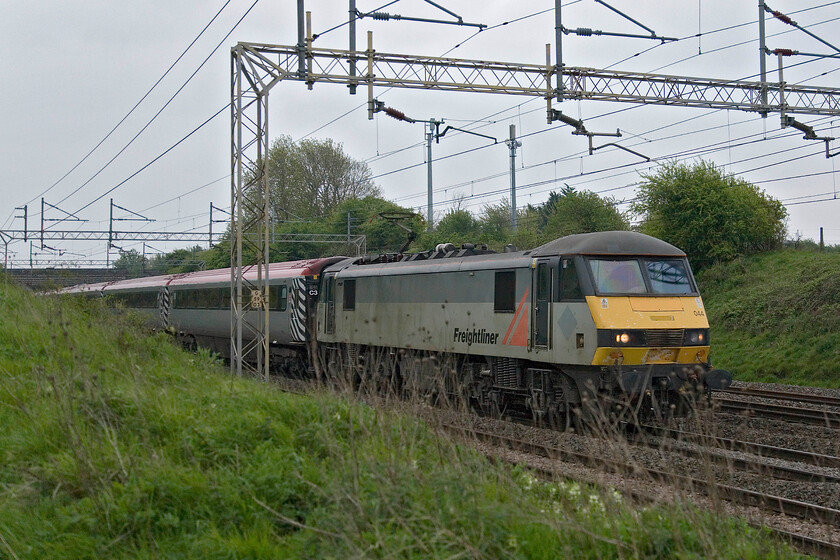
(329, 300)
(542, 303)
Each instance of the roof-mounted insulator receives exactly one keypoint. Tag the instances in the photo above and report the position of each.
(399, 115)
(785, 52)
(782, 17)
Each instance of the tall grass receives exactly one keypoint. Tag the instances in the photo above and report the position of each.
(117, 444)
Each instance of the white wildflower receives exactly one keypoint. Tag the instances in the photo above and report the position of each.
(595, 503)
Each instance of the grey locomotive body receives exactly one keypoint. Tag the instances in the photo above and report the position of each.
(540, 331)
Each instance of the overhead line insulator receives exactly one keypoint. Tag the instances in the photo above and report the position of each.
(399, 115)
(782, 17)
(785, 52)
(383, 16)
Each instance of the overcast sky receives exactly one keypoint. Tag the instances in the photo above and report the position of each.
(74, 69)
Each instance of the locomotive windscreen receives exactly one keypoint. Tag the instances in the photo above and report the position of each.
(669, 276)
(641, 276)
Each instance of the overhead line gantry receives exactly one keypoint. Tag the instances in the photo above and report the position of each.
(257, 67)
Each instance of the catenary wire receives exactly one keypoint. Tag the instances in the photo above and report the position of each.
(200, 66)
(128, 114)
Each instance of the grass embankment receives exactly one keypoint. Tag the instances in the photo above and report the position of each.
(775, 316)
(116, 444)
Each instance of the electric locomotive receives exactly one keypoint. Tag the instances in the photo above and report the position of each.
(608, 321)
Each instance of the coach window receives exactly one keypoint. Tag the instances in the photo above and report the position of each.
(504, 300)
(569, 282)
(350, 294)
(148, 299)
(185, 299)
(202, 299)
(192, 298)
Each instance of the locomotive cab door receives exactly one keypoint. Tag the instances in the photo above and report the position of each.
(329, 303)
(543, 280)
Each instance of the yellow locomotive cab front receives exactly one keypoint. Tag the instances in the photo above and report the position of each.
(650, 330)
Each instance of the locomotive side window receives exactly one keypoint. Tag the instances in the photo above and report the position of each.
(617, 276)
(669, 276)
(350, 294)
(504, 300)
(569, 282)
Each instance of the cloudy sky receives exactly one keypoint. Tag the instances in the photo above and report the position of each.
(74, 71)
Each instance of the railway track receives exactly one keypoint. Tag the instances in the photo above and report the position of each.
(824, 418)
(802, 510)
(777, 504)
(739, 463)
(783, 395)
(809, 545)
(713, 449)
(798, 509)
(752, 448)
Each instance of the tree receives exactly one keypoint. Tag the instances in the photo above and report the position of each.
(496, 231)
(132, 262)
(364, 219)
(180, 260)
(709, 215)
(382, 236)
(457, 227)
(311, 178)
(573, 212)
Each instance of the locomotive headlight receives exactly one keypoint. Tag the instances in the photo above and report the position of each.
(628, 337)
(696, 337)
